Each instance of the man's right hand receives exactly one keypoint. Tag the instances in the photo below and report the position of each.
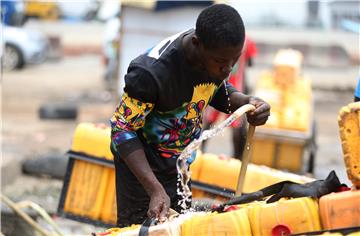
(159, 201)
(159, 205)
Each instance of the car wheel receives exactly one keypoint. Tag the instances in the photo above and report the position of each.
(13, 58)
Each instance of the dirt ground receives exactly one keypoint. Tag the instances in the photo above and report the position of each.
(78, 80)
(74, 80)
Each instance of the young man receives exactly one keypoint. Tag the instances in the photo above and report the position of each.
(166, 91)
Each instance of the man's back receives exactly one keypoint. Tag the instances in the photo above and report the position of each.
(162, 76)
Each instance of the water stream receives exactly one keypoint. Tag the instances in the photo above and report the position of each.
(183, 167)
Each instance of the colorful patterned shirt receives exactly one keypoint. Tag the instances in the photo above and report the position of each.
(162, 105)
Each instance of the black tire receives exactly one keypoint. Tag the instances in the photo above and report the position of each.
(13, 58)
(58, 111)
(51, 165)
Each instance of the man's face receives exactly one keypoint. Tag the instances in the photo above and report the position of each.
(219, 62)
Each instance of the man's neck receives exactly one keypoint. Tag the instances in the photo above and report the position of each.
(190, 52)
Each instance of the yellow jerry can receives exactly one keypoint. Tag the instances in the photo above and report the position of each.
(349, 127)
(285, 217)
(92, 139)
(230, 223)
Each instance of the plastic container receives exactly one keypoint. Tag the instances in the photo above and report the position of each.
(228, 223)
(93, 140)
(227, 172)
(88, 193)
(284, 217)
(340, 210)
(349, 127)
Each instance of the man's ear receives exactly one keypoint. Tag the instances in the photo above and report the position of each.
(195, 40)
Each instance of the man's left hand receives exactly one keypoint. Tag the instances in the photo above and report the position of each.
(261, 113)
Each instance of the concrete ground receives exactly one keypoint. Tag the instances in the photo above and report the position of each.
(78, 80)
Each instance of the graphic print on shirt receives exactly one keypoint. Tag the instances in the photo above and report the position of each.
(175, 129)
(128, 116)
(156, 51)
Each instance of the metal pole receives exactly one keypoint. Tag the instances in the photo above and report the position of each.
(245, 160)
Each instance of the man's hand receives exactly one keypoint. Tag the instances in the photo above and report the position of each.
(159, 206)
(261, 113)
(159, 201)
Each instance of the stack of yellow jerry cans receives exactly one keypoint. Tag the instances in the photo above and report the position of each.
(88, 193)
(223, 184)
(341, 210)
(284, 138)
(284, 217)
(258, 218)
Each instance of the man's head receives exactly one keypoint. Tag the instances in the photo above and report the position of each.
(219, 38)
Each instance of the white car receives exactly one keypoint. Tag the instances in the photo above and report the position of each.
(23, 46)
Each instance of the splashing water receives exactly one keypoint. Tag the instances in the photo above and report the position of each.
(183, 167)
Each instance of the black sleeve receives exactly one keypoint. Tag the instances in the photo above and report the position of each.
(221, 99)
(140, 84)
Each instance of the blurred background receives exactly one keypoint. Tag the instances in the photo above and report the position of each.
(63, 63)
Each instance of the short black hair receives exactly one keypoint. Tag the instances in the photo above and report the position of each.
(219, 26)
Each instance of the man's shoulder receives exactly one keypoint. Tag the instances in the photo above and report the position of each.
(163, 59)
(161, 67)
(154, 68)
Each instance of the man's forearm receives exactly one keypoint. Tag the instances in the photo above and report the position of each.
(237, 100)
(139, 166)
